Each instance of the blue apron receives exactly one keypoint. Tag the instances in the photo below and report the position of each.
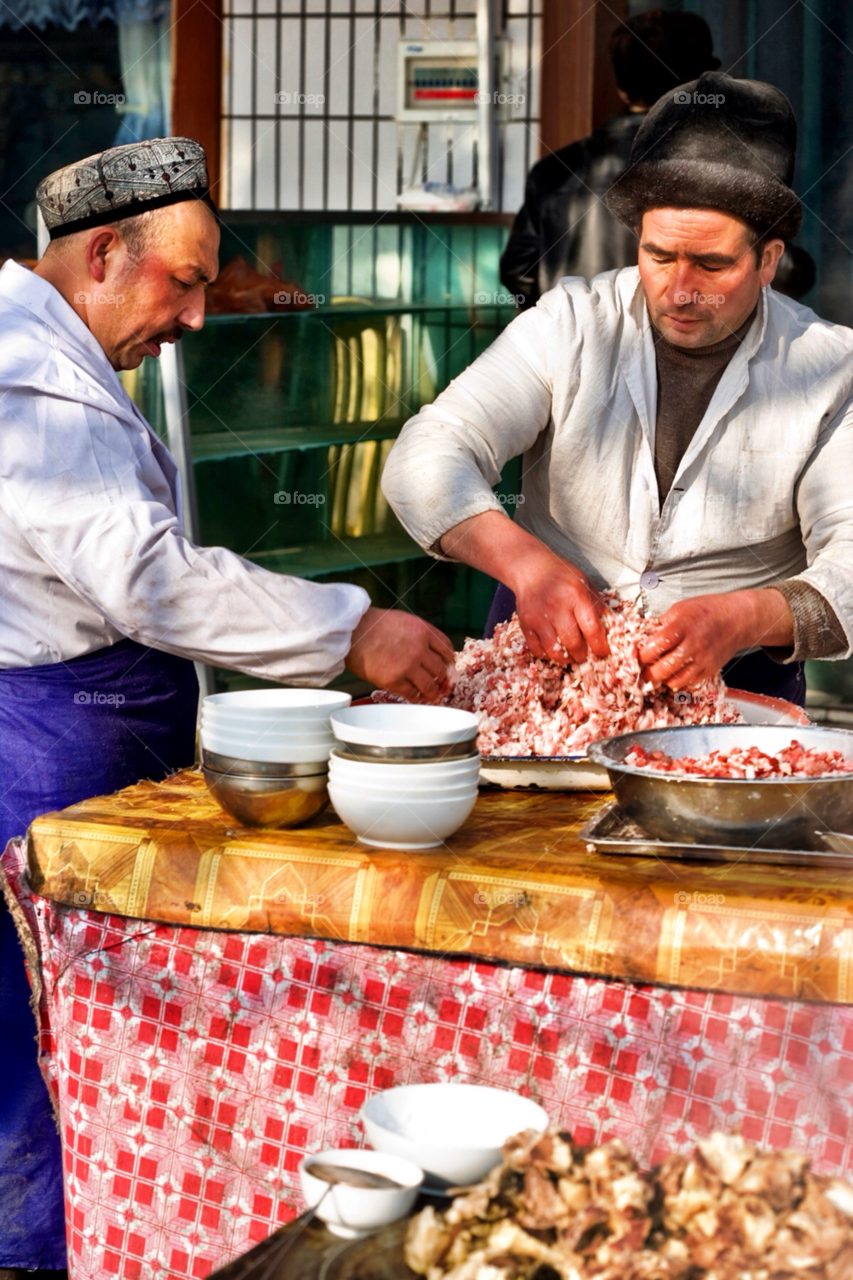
(754, 672)
(68, 731)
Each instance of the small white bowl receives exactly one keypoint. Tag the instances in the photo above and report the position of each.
(385, 724)
(451, 791)
(264, 704)
(399, 821)
(351, 1212)
(263, 753)
(401, 774)
(275, 724)
(454, 1132)
(272, 737)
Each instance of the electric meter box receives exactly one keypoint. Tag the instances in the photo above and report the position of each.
(437, 80)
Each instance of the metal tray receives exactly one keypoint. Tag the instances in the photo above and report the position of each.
(610, 831)
(303, 1251)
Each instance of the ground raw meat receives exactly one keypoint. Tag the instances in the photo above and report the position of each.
(555, 1210)
(795, 761)
(532, 706)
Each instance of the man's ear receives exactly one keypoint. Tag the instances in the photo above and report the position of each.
(770, 257)
(101, 244)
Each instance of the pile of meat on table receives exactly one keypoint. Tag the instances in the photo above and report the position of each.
(532, 706)
(554, 1210)
(795, 761)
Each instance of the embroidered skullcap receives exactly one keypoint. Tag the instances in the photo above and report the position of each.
(122, 182)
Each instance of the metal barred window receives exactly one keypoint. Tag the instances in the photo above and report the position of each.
(310, 96)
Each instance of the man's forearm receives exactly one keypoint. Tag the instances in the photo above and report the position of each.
(765, 618)
(494, 544)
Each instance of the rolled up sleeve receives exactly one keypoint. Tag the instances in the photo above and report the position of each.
(825, 505)
(74, 485)
(447, 458)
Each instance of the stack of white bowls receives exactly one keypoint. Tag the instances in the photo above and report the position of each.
(265, 752)
(403, 776)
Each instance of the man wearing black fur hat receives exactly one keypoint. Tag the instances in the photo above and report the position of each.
(687, 431)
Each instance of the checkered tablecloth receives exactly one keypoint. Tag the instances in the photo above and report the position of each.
(193, 1068)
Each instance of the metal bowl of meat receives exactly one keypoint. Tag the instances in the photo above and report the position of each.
(260, 794)
(786, 810)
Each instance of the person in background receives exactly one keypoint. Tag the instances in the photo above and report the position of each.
(564, 227)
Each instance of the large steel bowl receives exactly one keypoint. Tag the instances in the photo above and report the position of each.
(258, 801)
(774, 812)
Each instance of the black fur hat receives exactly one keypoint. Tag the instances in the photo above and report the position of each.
(715, 143)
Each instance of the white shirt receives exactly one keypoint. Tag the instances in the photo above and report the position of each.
(92, 547)
(763, 493)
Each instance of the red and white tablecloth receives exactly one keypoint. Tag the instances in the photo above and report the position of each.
(192, 1069)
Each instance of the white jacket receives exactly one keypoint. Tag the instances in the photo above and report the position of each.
(764, 492)
(91, 542)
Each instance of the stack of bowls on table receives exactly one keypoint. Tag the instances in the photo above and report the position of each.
(265, 753)
(403, 776)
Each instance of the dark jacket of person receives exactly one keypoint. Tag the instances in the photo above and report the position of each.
(564, 228)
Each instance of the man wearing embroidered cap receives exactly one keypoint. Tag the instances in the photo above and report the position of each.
(687, 432)
(103, 593)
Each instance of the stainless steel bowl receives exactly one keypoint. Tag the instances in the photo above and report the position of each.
(773, 812)
(268, 802)
(406, 755)
(260, 768)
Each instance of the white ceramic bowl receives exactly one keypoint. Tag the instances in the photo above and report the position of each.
(400, 822)
(452, 791)
(400, 775)
(262, 752)
(275, 724)
(272, 737)
(355, 1211)
(385, 724)
(265, 704)
(454, 1132)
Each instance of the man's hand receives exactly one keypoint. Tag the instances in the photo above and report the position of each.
(401, 653)
(559, 610)
(699, 636)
